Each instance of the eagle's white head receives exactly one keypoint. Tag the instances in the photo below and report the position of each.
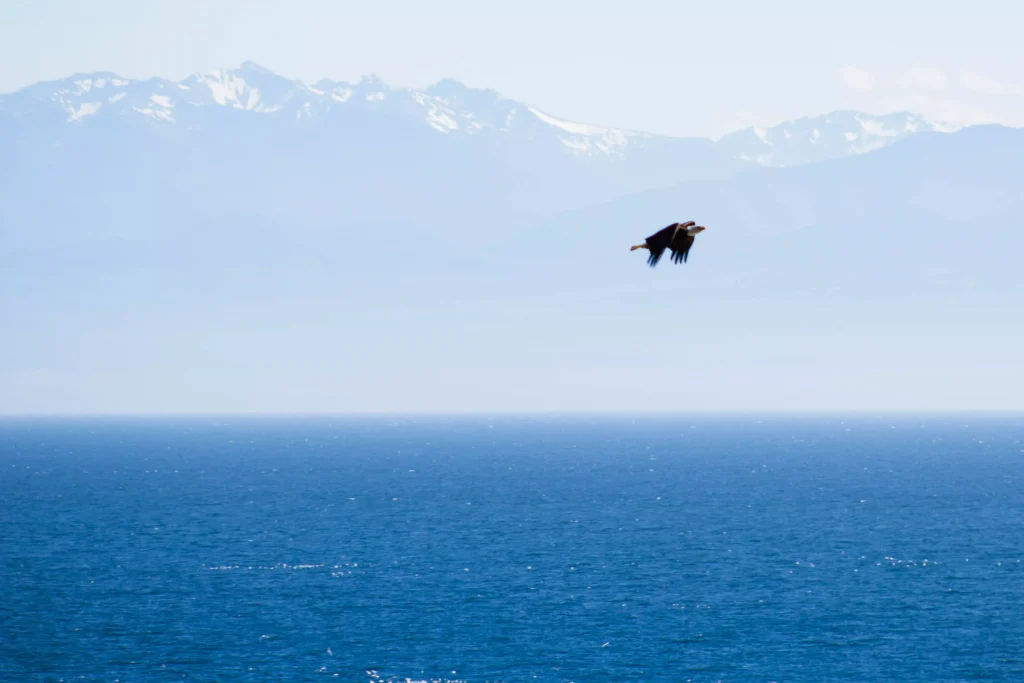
(695, 229)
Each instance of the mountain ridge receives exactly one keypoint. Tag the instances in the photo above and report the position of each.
(447, 107)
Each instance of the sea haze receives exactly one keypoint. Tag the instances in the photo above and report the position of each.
(512, 549)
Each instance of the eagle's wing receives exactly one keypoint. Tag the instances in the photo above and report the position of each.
(681, 247)
(659, 242)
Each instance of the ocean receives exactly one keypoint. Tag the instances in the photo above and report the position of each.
(585, 549)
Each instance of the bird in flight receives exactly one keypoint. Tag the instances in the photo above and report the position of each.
(678, 238)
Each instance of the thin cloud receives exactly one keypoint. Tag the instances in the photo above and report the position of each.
(857, 79)
(950, 113)
(923, 78)
(989, 86)
(952, 99)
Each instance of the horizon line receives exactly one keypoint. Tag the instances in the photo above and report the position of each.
(1008, 412)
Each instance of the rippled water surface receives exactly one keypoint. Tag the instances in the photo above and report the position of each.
(545, 549)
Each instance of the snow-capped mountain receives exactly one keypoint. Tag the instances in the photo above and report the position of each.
(831, 136)
(447, 108)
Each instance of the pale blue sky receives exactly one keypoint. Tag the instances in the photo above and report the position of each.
(682, 68)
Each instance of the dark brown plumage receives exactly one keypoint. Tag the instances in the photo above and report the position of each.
(677, 238)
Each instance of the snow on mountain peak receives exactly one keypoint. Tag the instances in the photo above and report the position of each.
(440, 117)
(341, 94)
(448, 107)
(83, 110)
(229, 88)
(588, 139)
(568, 126)
(834, 135)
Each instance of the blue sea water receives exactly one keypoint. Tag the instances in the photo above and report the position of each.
(512, 549)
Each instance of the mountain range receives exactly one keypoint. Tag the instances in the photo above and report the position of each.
(240, 240)
(448, 107)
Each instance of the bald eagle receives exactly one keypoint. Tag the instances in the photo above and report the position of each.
(678, 238)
